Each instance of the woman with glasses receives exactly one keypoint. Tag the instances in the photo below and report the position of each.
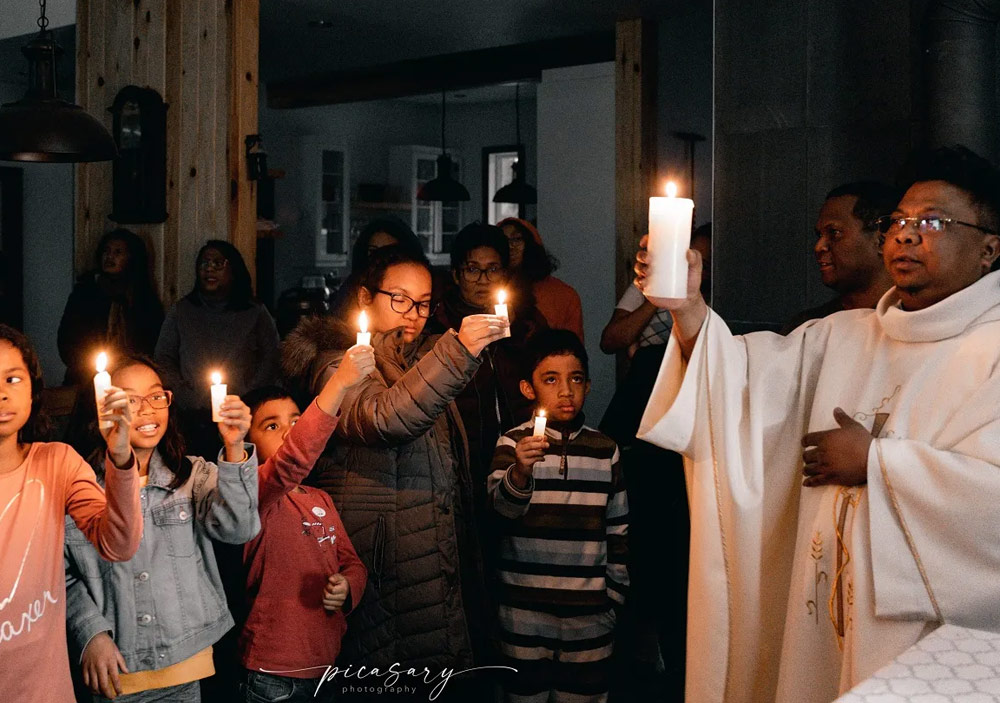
(397, 469)
(216, 327)
(530, 262)
(146, 627)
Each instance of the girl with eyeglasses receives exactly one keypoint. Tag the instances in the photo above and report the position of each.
(145, 627)
(217, 326)
(397, 468)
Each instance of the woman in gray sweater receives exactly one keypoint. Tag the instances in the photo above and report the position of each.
(216, 327)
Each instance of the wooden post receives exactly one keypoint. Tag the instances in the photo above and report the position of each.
(635, 143)
(244, 43)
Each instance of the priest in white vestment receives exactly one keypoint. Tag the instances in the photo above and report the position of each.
(844, 480)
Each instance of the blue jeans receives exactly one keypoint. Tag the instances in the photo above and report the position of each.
(270, 688)
(184, 693)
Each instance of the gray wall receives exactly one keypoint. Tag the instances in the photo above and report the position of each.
(576, 200)
(807, 95)
(48, 250)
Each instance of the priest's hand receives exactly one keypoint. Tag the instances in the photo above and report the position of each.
(837, 457)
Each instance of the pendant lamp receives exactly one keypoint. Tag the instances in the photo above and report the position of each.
(40, 126)
(443, 187)
(517, 191)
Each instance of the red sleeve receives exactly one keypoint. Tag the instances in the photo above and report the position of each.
(350, 565)
(112, 518)
(295, 458)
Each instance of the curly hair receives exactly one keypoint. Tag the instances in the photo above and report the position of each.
(38, 427)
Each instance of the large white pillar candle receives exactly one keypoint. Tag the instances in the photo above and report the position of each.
(102, 382)
(218, 396)
(669, 241)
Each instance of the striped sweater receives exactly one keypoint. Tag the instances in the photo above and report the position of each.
(564, 538)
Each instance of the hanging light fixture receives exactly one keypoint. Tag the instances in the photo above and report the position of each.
(40, 126)
(517, 191)
(443, 187)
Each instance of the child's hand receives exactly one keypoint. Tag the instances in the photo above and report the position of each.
(233, 426)
(335, 593)
(529, 451)
(101, 662)
(355, 367)
(116, 408)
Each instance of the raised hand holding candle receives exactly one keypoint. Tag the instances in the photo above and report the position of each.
(501, 309)
(364, 336)
(539, 430)
(102, 382)
(218, 396)
(669, 240)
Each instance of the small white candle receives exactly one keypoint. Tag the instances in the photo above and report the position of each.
(501, 309)
(669, 241)
(364, 336)
(539, 430)
(102, 382)
(218, 396)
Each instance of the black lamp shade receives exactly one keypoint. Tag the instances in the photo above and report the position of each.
(517, 191)
(40, 126)
(52, 130)
(444, 187)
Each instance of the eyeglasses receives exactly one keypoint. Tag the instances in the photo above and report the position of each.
(402, 304)
(213, 264)
(157, 401)
(473, 274)
(928, 224)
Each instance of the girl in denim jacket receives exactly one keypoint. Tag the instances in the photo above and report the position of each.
(146, 626)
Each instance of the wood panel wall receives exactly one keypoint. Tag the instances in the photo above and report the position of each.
(188, 51)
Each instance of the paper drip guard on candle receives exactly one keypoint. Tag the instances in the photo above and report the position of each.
(218, 396)
(669, 241)
(364, 336)
(102, 382)
(501, 309)
(539, 430)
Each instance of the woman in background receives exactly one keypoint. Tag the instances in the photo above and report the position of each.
(113, 308)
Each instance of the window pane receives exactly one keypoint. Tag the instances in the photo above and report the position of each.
(449, 219)
(333, 161)
(423, 219)
(426, 169)
(332, 188)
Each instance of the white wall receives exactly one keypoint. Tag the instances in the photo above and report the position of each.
(576, 200)
(48, 250)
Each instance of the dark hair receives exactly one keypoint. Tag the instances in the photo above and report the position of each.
(37, 428)
(537, 263)
(241, 294)
(553, 342)
(385, 258)
(476, 235)
(137, 274)
(965, 170)
(395, 228)
(172, 446)
(875, 200)
(258, 396)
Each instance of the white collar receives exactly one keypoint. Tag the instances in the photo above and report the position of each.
(979, 302)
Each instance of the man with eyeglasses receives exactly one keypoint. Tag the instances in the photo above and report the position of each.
(845, 478)
(847, 248)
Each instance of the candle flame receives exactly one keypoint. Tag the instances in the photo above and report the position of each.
(502, 296)
(216, 378)
(363, 321)
(671, 189)
(541, 413)
(102, 362)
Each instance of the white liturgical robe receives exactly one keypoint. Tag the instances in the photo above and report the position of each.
(796, 594)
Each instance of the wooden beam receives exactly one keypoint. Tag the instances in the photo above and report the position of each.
(244, 47)
(463, 70)
(635, 139)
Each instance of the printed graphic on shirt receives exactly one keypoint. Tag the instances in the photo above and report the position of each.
(321, 532)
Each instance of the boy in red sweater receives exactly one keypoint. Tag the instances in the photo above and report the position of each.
(303, 574)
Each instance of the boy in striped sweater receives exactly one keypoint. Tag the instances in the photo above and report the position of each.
(564, 521)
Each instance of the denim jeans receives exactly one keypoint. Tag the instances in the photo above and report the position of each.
(270, 688)
(184, 693)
